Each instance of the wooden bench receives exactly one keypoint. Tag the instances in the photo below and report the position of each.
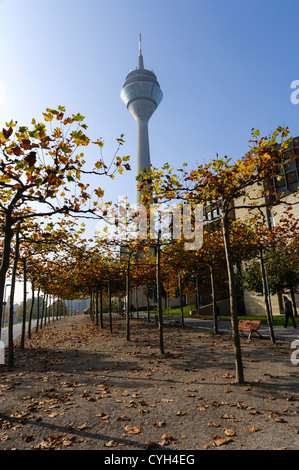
(252, 326)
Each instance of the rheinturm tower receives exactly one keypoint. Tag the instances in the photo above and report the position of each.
(141, 94)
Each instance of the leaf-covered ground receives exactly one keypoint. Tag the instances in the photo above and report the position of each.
(77, 386)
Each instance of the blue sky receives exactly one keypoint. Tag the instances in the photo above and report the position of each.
(224, 67)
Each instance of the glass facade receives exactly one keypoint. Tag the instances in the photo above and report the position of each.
(141, 90)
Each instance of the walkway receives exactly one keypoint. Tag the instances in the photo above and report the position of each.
(288, 334)
(281, 333)
(17, 331)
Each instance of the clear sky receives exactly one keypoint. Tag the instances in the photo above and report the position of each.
(224, 68)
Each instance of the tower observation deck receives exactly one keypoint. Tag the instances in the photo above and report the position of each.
(141, 94)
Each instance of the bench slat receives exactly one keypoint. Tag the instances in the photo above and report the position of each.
(249, 325)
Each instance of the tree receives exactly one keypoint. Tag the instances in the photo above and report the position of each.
(228, 186)
(39, 166)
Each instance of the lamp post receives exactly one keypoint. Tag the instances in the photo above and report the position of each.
(197, 295)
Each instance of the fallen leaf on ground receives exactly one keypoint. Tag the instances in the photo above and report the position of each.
(273, 414)
(110, 444)
(159, 424)
(132, 429)
(202, 407)
(252, 429)
(56, 442)
(229, 432)
(229, 417)
(83, 426)
(124, 418)
(167, 439)
(218, 441)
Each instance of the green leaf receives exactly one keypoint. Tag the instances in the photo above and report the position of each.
(78, 117)
(98, 142)
(48, 116)
(255, 133)
(11, 123)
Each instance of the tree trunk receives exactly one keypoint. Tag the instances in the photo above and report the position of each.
(97, 306)
(46, 309)
(148, 304)
(181, 300)
(128, 301)
(294, 301)
(31, 309)
(101, 308)
(233, 301)
(50, 309)
(53, 308)
(42, 312)
(11, 305)
(22, 345)
(159, 299)
(57, 308)
(137, 303)
(215, 317)
(197, 297)
(38, 309)
(91, 305)
(110, 309)
(8, 234)
(265, 290)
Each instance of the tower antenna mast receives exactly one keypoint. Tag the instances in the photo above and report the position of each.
(140, 56)
(140, 53)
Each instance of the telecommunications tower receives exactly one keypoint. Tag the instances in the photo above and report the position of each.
(141, 94)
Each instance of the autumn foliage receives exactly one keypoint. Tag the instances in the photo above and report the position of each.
(45, 190)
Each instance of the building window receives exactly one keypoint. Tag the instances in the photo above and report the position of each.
(271, 220)
(211, 213)
(288, 181)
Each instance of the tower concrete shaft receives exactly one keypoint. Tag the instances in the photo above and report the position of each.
(141, 94)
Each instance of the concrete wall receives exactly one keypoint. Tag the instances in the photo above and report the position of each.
(255, 304)
(279, 210)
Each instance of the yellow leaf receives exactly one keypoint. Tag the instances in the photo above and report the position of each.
(132, 429)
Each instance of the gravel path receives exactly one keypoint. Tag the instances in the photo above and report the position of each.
(77, 386)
